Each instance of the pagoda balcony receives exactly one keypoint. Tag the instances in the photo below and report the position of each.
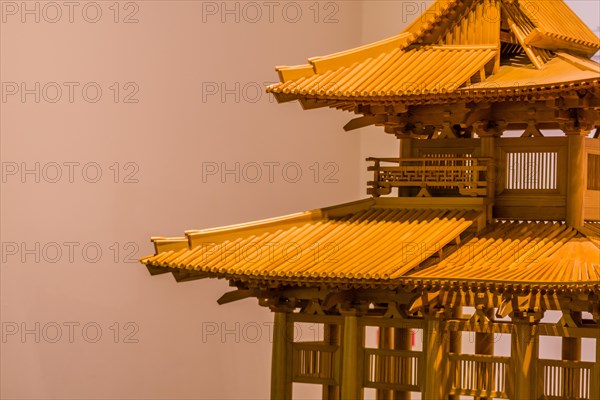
(427, 176)
(528, 177)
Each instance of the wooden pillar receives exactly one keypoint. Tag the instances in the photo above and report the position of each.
(402, 341)
(351, 368)
(435, 359)
(405, 151)
(281, 366)
(575, 178)
(331, 336)
(484, 344)
(385, 341)
(488, 149)
(524, 358)
(571, 351)
(455, 343)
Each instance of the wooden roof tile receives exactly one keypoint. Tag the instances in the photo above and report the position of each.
(442, 51)
(381, 245)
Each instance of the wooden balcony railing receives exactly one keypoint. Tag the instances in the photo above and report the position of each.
(561, 379)
(466, 175)
(479, 375)
(315, 362)
(392, 369)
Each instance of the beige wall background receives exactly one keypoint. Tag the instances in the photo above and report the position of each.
(129, 119)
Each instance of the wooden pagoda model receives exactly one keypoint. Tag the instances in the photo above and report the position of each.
(464, 217)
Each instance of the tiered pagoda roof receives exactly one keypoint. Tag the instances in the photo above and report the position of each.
(507, 225)
(372, 243)
(501, 50)
(457, 50)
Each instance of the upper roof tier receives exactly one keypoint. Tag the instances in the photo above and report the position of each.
(457, 48)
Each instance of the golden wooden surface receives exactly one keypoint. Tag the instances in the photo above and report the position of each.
(473, 218)
(455, 43)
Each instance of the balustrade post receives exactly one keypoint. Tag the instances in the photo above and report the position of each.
(376, 178)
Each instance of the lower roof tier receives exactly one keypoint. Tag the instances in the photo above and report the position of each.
(372, 243)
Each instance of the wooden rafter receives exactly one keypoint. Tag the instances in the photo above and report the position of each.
(533, 55)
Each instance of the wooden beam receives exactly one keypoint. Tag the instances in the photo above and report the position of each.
(187, 276)
(520, 35)
(310, 104)
(532, 130)
(235, 296)
(157, 270)
(564, 331)
(468, 326)
(508, 37)
(365, 121)
(447, 131)
(479, 112)
(543, 40)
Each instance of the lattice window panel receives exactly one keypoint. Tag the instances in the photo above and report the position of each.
(593, 172)
(531, 170)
